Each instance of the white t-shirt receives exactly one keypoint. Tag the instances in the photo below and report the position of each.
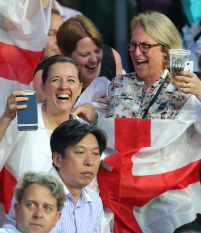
(22, 151)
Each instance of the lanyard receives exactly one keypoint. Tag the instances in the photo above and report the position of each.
(156, 95)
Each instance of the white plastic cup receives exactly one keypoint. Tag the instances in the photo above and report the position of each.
(178, 57)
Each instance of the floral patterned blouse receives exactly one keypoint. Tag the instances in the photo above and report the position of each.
(127, 101)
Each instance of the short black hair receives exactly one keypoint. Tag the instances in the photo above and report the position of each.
(58, 59)
(70, 132)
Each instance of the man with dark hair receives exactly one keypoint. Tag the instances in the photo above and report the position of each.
(76, 150)
(39, 200)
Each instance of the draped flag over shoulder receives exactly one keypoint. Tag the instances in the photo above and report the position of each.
(151, 183)
(23, 31)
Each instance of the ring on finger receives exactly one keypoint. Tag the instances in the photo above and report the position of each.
(187, 86)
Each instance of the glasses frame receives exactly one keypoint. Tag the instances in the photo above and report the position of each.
(136, 45)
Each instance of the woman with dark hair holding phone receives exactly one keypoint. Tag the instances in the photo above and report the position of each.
(30, 150)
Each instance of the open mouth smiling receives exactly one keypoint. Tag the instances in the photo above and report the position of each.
(63, 97)
(90, 67)
(141, 62)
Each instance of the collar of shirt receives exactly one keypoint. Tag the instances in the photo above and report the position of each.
(84, 198)
(11, 228)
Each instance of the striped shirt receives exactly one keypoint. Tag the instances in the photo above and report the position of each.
(82, 217)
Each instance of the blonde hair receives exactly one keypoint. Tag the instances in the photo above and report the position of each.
(75, 29)
(45, 180)
(161, 28)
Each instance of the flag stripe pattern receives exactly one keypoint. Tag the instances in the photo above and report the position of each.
(18, 64)
(7, 184)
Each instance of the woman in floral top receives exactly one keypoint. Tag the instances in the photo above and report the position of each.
(153, 34)
(131, 95)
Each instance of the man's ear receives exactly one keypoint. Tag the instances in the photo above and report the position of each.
(58, 217)
(16, 207)
(57, 159)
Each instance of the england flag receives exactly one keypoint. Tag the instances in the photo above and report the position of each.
(150, 177)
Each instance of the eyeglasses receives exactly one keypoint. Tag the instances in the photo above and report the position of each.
(144, 48)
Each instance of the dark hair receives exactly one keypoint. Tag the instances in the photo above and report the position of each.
(58, 59)
(70, 132)
(75, 29)
(55, 11)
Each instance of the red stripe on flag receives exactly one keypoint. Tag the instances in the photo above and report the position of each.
(111, 186)
(7, 184)
(129, 134)
(18, 64)
(120, 190)
(134, 132)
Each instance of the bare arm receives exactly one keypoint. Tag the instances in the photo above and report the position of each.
(45, 3)
(11, 109)
(118, 62)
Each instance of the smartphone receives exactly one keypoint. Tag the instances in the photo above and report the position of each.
(188, 66)
(28, 117)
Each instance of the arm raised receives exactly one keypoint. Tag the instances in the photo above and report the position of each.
(11, 109)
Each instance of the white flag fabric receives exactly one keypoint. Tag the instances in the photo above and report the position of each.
(151, 182)
(93, 91)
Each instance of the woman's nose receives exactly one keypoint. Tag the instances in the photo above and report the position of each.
(63, 85)
(137, 51)
(93, 58)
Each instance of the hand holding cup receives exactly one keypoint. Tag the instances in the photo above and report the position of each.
(189, 83)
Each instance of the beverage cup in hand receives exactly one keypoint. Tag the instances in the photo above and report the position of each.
(178, 57)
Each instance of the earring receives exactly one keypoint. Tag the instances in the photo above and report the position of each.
(165, 57)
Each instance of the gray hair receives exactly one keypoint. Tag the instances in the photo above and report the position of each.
(43, 179)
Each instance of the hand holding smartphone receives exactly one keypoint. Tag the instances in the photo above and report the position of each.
(28, 117)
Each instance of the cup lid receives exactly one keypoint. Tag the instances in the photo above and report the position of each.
(182, 52)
